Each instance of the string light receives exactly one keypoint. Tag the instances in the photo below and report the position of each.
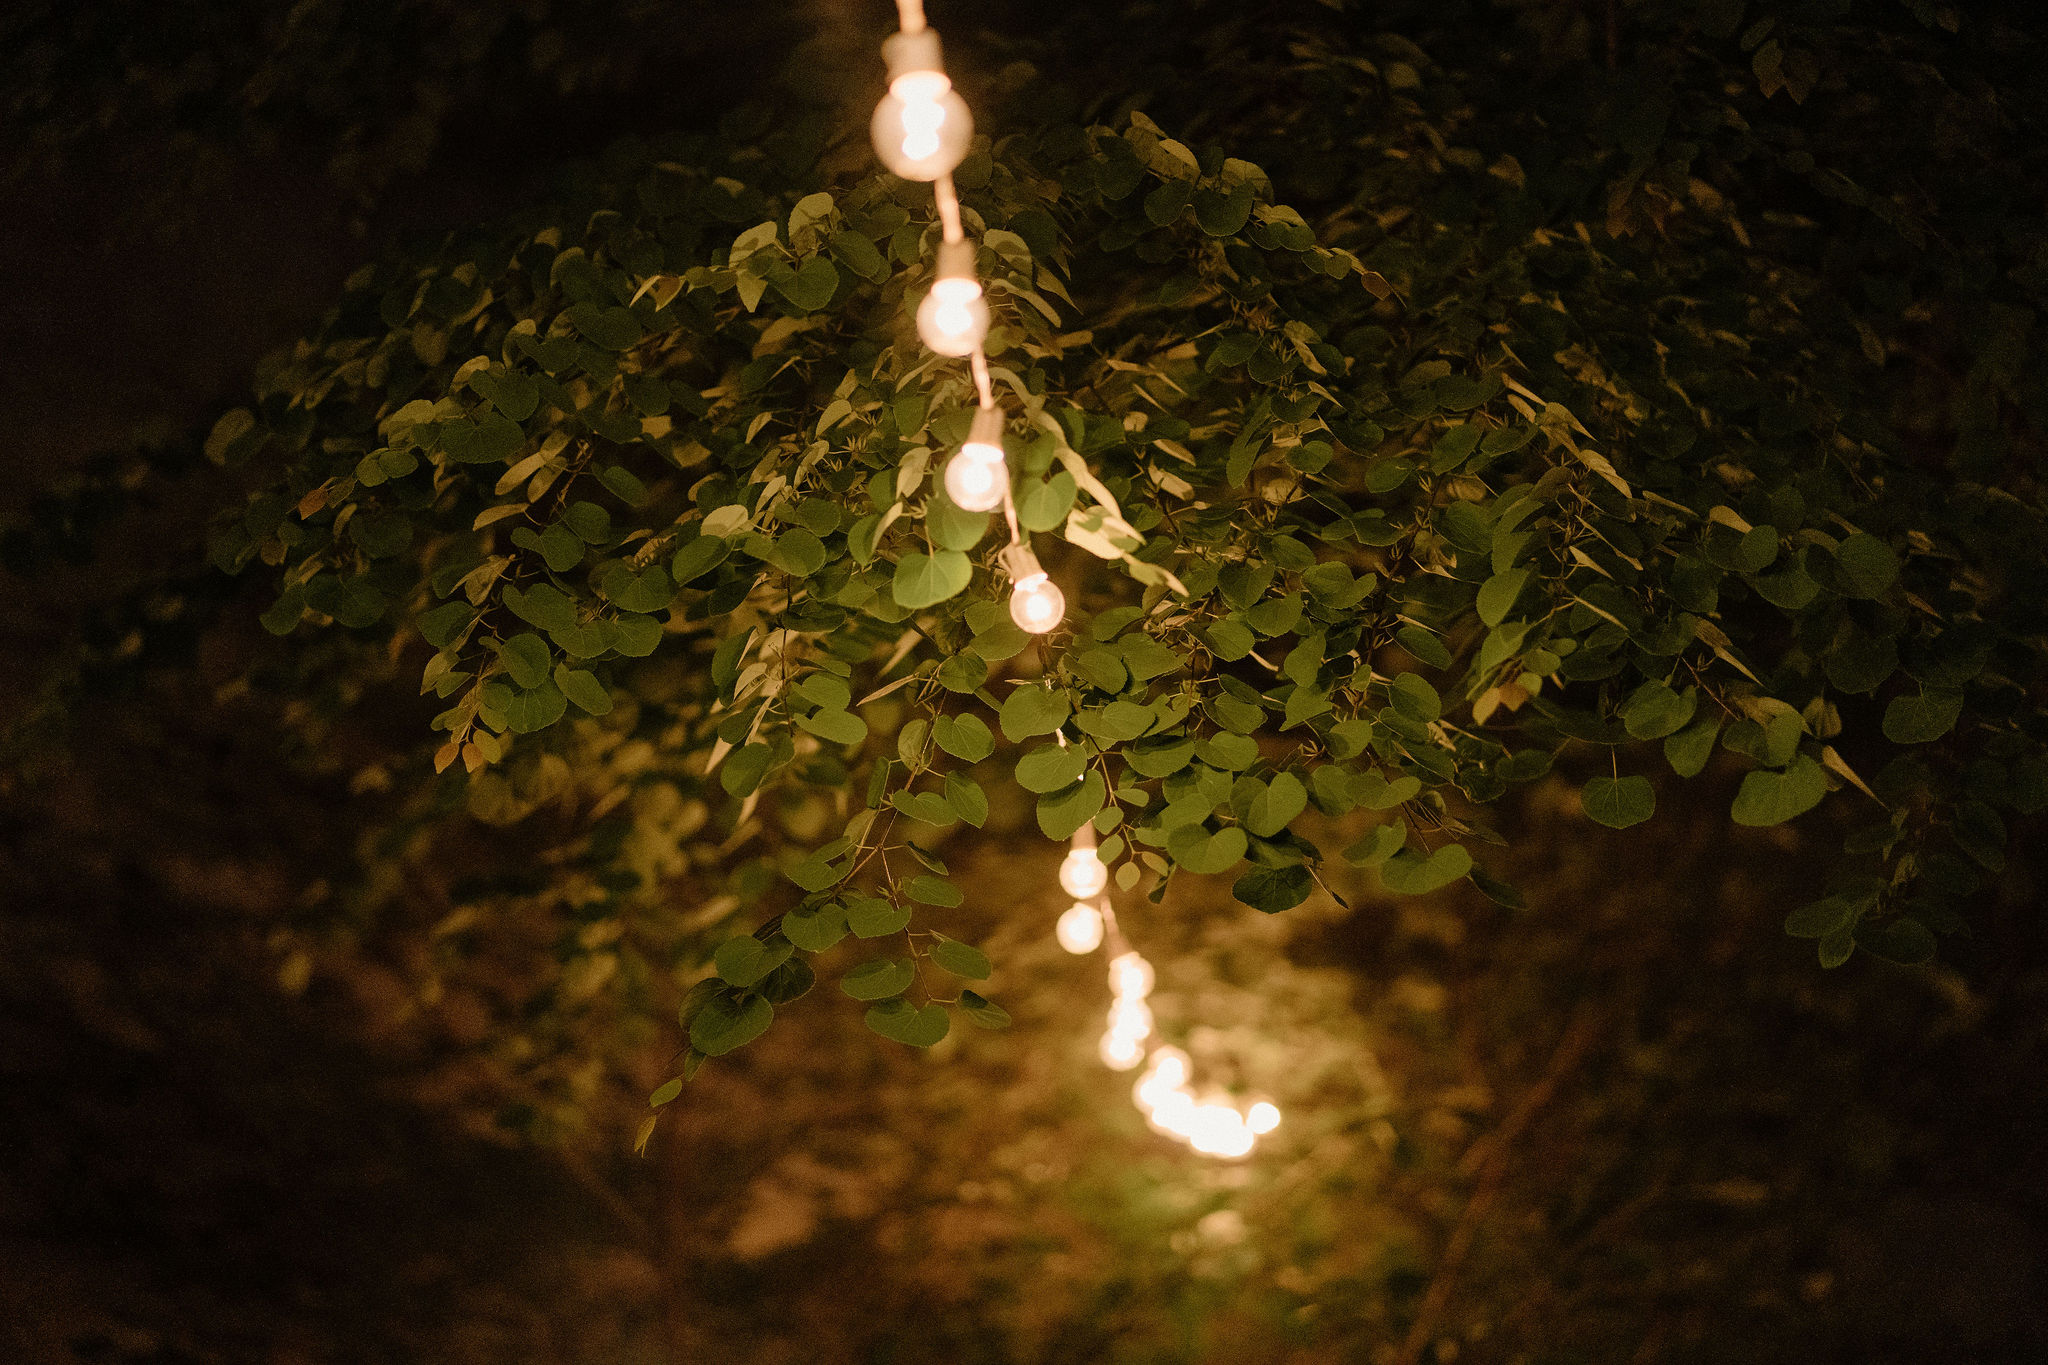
(953, 319)
(1080, 929)
(977, 477)
(1210, 1124)
(921, 131)
(922, 126)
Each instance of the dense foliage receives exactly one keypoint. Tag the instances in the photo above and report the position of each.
(1520, 452)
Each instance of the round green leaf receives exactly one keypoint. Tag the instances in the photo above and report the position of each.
(879, 979)
(1618, 802)
(925, 580)
(961, 959)
(904, 1022)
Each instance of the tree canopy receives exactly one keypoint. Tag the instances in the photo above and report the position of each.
(1588, 451)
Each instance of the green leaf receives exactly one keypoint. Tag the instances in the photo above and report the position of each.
(665, 1092)
(1051, 767)
(1498, 594)
(967, 799)
(542, 605)
(1372, 790)
(1688, 751)
(724, 1024)
(1199, 851)
(814, 928)
(697, 558)
(929, 890)
(561, 548)
(873, 917)
(1276, 804)
(797, 553)
(925, 580)
(535, 708)
(967, 738)
(1654, 710)
(1414, 698)
(811, 286)
(1229, 639)
(1408, 873)
(584, 689)
(526, 659)
(836, 727)
(1061, 813)
(743, 961)
(1116, 722)
(857, 253)
(1424, 645)
(1032, 710)
(1868, 565)
(1380, 843)
(1272, 890)
(1901, 939)
(609, 329)
(744, 768)
(1918, 720)
(1768, 798)
(1046, 505)
(1618, 802)
(879, 979)
(903, 1022)
(983, 1011)
(961, 959)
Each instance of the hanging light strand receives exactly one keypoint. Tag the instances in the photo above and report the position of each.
(1210, 1124)
(921, 131)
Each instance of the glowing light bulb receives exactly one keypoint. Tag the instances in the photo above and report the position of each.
(1080, 928)
(1120, 1052)
(953, 319)
(1082, 874)
(1131, 977)
(1262, 1118)
(1131, 1018)
(1216, 1129)
(1037, 605)
(922, 126)
(1170, 1064)
(977, 477)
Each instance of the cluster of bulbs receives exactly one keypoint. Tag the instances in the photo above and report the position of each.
(921, 130)
(1209, 1124)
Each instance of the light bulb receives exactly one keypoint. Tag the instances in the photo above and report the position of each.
(1120, 1052)
(1037, 605)
(975, 484)
(1132, 1018)
(1082, 874)
(953, 319)
(1131, 977)
(1262, 1118)
(1080, 929)
(922, 126)
(1170, 1064)
(1174, 1113)
(1218, 1130)
(976, 477)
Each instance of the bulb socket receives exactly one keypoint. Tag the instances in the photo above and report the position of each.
(911, 54)
(1018, 562)
(956, 262)
(987, 428)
